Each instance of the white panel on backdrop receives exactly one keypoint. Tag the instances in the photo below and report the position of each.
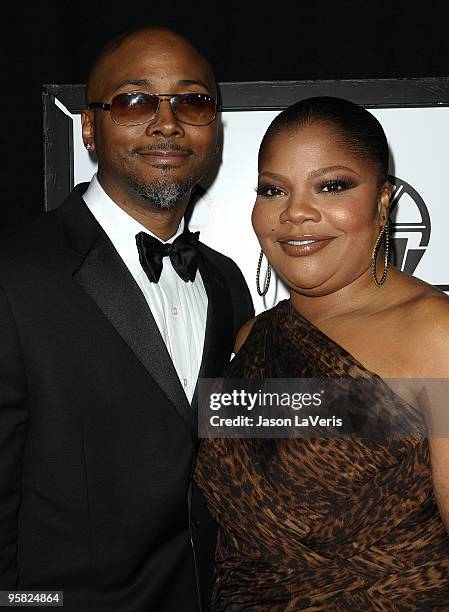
(420, 161)
(420, 156)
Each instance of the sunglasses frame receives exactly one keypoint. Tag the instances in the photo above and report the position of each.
(107, 106)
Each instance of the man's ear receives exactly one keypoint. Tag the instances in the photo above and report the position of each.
(383, 203)
(218, 136)
(87, 123)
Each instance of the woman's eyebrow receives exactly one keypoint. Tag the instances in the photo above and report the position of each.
(273, 175)
(316, 173)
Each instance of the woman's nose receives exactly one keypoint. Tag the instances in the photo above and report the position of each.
(299, 210)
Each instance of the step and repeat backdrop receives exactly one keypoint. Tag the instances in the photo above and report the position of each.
(415, 117)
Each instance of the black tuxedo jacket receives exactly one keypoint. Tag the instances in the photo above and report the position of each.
(97, 438)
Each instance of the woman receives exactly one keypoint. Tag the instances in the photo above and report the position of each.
(333, 523)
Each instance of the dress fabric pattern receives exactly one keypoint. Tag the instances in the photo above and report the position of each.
(320, 523)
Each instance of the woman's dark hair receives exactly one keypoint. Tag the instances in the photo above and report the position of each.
(358, 129)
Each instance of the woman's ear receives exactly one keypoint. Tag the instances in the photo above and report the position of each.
(383, 202)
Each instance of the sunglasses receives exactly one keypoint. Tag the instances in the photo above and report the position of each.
(137, 108)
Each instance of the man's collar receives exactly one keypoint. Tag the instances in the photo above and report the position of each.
(120, 227)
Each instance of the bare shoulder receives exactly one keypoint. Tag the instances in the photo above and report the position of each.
(243, 333)
(429, 331)
(431, 311)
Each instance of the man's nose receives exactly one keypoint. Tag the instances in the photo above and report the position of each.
(165, 123)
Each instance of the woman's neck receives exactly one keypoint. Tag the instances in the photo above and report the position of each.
(361, 297)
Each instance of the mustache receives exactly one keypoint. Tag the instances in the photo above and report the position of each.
(163, 146)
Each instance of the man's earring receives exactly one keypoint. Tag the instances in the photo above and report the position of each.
(88, 146)
(263, 291)
(384, 233)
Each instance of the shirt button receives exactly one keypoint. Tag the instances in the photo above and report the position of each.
(174, 310)
(185, 382)
(195, 524)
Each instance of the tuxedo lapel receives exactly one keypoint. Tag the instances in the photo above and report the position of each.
(103, 275)
(218, 338)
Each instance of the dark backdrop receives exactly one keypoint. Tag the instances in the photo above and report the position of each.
(55, 42)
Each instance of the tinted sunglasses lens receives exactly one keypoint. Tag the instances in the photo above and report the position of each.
(134, 108)
(194, 109)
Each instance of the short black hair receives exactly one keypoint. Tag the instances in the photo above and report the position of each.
(360, 131)
(116, 42)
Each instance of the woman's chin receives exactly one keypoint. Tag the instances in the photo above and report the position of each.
(308, 279)
(311, 287)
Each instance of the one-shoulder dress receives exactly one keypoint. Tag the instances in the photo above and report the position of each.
(320, 523)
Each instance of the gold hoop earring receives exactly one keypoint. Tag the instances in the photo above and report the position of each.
(383, 233)
(263, 291)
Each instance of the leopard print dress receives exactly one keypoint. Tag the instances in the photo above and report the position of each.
(321, 523)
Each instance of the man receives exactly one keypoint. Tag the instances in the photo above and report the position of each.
(104, 330)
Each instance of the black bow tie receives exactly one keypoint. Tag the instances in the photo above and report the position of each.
(183, 253)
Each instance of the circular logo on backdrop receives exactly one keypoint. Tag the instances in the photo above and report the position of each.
(410, 225)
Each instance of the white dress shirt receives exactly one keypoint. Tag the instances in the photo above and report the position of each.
(178, 307)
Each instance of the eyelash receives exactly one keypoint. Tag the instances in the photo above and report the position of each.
(336, 185)
(333, 186)
(263, 189)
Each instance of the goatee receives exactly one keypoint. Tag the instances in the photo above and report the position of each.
(163, 193)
